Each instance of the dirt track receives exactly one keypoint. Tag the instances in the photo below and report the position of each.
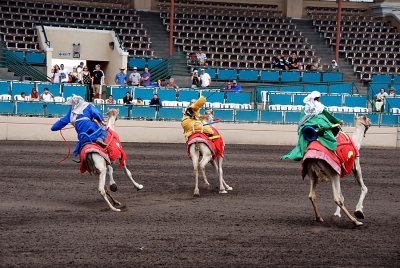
(51, 215)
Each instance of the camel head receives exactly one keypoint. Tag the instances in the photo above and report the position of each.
(113, 113)
(363, 121)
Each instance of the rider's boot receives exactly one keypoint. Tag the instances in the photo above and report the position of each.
(100, 142)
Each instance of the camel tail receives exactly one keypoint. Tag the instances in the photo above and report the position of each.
(91, 165)
(318, 169)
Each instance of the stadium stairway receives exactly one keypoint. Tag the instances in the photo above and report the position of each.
(326, 54)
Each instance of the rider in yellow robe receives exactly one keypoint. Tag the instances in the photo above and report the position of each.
(191, 120)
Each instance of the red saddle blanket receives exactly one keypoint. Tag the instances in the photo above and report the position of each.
(216, 146)
(111, 153)
(342, 160)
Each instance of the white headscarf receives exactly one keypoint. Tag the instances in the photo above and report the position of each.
(313, 106)
(78, 105)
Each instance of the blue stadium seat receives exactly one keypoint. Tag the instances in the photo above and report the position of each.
(269, 76)
(6, 107)
(144, 112)
(238, 97)
(298, 99)
(4, 88)
(19, 55)
(283, 99)
(332, 77)
(396, 78)
(57, 109)
(211, 71)
(188, 95)
(288, 76)
(213, 96)
(355, 101)
(390, 120)
(153, 62)
(224, 115)
(144, 93)
(271, 117)
(246, 116)
(348, 119)
(269, 89)
(248, 75)
(53, 88)
(170, 113)
(320, 88)
(227, 74)
(292, 117)
(332, 100)
(29, 108)
(140, 63)
(123, 110)
(374, 88)
(392, 103)
(381, 78)
(313, 77)
(167, 94)
(35, 57)
(120, 92)
(18, 87)
(343, 88)
(69, 89)
(292, 89)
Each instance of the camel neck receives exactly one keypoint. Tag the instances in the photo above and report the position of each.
(111, 122)
(358, 136)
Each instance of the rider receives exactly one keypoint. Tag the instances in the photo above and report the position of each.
(316, 116)
(191, 120)
(82, 115)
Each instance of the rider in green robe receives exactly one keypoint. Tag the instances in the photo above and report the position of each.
(316, 116)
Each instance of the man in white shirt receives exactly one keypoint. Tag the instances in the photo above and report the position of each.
(201, 58)
(63, 74)
(134, 77)
(46, 96)
(205, 78)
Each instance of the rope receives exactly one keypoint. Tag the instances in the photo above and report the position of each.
(68, 145)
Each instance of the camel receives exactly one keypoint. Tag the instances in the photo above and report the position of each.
(319, 170)
(96, 164)
(201, 149)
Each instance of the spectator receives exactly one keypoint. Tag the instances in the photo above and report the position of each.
(46, 96)
(205, 79)
(74, 76)
(155, 101)
(80, 67)
(86, 79)
(23, 95)
(139, 101)
(110, 100)
(162, 82)
(34, 95)
(284, 63)
(294, 62)
(98, 82)
(121, 78)
(172, 84)
(195, 79)
(392, 92)
(380, 100)
(55, 77)
(63, 74)
(128, 98)
(201, 58)
(316, 67)
(228, 87)
(275, 61)
(134, 77)
(334, 67)
(145, 78)
(236, 86)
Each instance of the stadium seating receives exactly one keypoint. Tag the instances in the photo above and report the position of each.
(120, 92)
(69, 89)
(18, 87)
(248, 75)
(167, 94)
(187, 95)
(170, 113)
(57, 109)
(143, 112)
(227, 74)
(271, 117)
(269, 76)
(6, 107)
(292, 117)
(53, 88)
(313, 77)
(225, 115)
(143, 93)
(246, 116)
(4, 87)
(30, 108)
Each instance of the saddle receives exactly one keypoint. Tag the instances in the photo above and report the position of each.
(341, 160)
(215, 144)
(111, 153)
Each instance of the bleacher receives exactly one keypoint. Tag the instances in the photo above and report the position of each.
(386, 81)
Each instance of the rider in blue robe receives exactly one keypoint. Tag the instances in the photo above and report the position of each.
(81, 116)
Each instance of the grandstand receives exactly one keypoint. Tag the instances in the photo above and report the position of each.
(239, 39)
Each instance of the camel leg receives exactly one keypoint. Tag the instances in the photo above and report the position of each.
(195, 155)
(221, 174)
(364, 190)
(207, 157)
(113, 185)
(113, 200)
(339, 201)
(101, 165)
(129, 174)
(338, 209)
(313, 196)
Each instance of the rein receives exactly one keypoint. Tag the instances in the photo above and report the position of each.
(68, 145)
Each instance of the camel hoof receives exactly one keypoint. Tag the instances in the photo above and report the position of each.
(359, 214)
(139, 187)
(319, 220)
(358, 223)
(223, 192)
(337, 215)
(196, 195)
(113, 187)
(229, 188)
(116, 209)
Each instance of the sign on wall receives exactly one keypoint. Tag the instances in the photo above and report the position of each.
(64, 54)
(77, 50)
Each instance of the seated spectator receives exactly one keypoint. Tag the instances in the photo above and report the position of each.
(34, 95)
(155, 101)
(134, 77)
(128, 98)
(145, 78)
(201, 58)
(392, 92)
(110, 100)
(23, 95)
(334, 67)
(172, 84)
(228, 87)
(139, 101)
(121, 78)
(380, 99)
(196, 82)
(316, 67)
(236, 86)
(275, 61)
(294, 62)
(162, 82)
(46, 96)
(284, 63)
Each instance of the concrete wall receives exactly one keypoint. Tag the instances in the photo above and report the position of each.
(28, 128)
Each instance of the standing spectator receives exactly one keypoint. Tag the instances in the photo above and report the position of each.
(172, 84)
(110, 100)
(128, 98)
(155, 101)
(334, 67)
(205, 79)
(195, 79)
(74, 76)
(98, 82)
(80, 67)
(380, 100)
(63, 74)
(46, 96)
(86, 79)
(121, 78)
(392, 92)
(55, 78)
(34, 95)
(294, 62)
(201, 58)
(134, 78)
(236, 86)
(145, 77)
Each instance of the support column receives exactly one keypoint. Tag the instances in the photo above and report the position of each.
(338, 26)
